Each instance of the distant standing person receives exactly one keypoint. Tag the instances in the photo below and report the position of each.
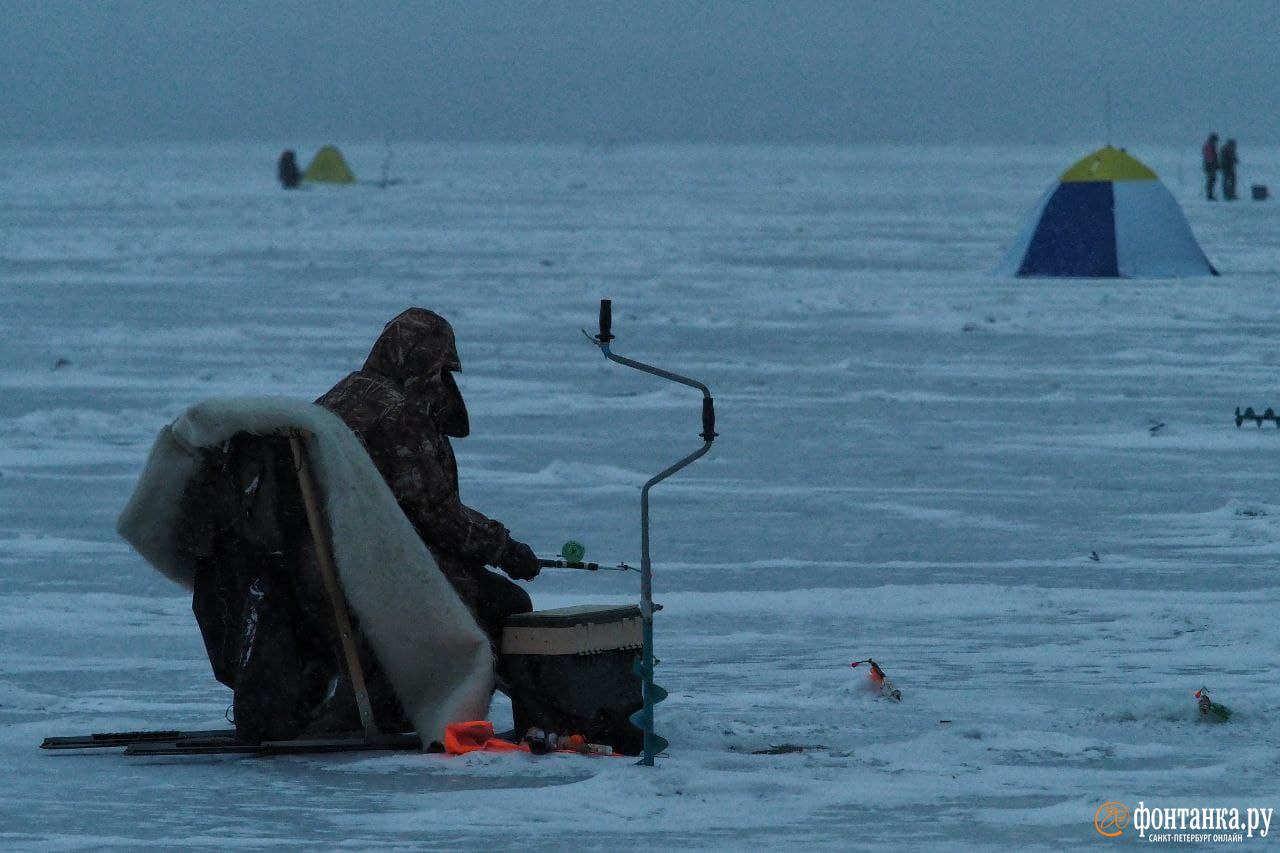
(1210, 156)
(1227, 160)
(287, 168)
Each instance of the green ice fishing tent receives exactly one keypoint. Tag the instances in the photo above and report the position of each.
(329, 167)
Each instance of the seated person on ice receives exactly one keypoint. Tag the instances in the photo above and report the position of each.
(404, 405)
(257, 594)
(287, 170)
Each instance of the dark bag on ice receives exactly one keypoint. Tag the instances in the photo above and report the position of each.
(260, 603)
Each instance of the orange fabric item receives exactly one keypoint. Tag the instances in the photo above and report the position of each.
(474, 736)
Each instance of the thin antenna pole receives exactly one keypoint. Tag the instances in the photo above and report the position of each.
(386, 167)
(1108, 113)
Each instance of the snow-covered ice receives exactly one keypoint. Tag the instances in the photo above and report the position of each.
(1028, 500)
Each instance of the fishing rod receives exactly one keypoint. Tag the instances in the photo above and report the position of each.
(549, 563)
(570, 557)
(652, 693)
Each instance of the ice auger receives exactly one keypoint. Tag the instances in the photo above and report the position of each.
(652, 693)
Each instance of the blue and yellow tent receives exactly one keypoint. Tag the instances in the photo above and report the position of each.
(1108, 216)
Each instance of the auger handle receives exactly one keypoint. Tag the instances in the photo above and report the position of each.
(606, 321)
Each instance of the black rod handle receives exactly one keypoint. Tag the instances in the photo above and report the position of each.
(566, 564)
(708, 419)
(606, 321)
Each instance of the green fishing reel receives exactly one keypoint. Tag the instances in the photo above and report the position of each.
(573, 551)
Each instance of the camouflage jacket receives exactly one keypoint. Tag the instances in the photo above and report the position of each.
(403, 405)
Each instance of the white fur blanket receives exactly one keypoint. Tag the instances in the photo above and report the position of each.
(437, 657)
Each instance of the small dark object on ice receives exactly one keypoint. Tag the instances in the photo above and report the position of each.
(780, 749)
(1250, 415)
(880, 680)
(1211, 710)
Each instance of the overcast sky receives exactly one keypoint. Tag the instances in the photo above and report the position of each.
(291, 71)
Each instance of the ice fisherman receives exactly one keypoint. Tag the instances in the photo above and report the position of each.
(1209, 156)
(404, 405)
(1227, 160)
(288, 171)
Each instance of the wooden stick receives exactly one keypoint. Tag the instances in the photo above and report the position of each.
(332, 588)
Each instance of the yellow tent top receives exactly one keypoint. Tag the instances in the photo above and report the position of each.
(1108, 164)
(329, 167)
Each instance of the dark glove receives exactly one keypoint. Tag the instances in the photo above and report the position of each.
(518, 560)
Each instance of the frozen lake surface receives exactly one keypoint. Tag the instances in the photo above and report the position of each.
(1028, 500)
